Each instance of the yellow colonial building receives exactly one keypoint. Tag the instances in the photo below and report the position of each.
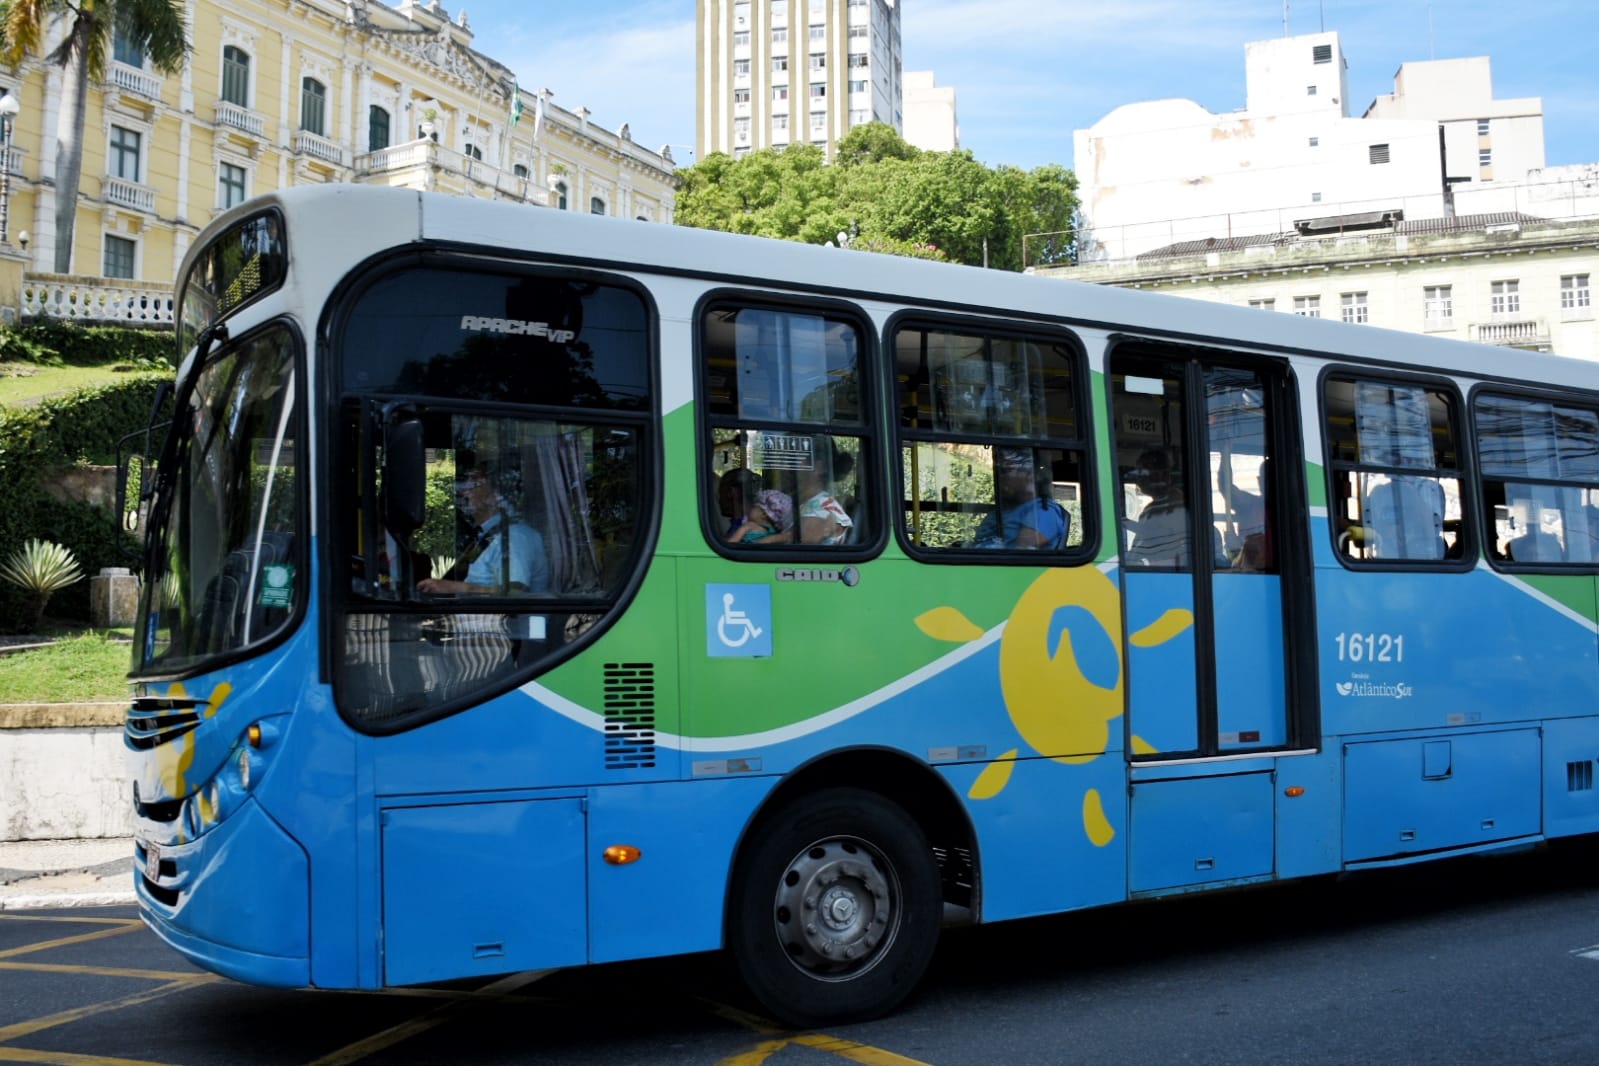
(289, 92)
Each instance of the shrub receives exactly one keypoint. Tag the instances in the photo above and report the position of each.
(40, 568)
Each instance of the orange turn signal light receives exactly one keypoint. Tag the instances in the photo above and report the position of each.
(253, 734)
(622, 854)
(1293, 791)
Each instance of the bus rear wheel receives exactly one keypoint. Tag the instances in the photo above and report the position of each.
(835, 909)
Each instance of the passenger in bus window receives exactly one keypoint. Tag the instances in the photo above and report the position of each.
(771, 513)
(823, 517)
(1025, 515)
(1160, 532)
(735, 492)
(505, 557)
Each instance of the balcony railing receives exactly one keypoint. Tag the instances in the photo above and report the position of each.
(426, 164)
(240, 119)
(1513, 333)
(125, 193)
(95, 300)
(318, 147)
(133, 80)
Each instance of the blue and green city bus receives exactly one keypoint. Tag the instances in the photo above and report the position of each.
(526, 589)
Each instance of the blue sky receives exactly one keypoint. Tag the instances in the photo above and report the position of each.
(1029, 72)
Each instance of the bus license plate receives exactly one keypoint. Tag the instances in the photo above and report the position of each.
(152, 861)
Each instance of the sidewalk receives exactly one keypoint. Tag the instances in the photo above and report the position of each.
(40, 874)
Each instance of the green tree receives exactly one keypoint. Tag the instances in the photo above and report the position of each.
(154, 26)
(889, 196)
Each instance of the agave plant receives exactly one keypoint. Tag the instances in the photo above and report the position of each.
(40, 568)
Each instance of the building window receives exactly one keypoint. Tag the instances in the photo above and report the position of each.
(780, 9)
(779, 122)
(1482, 127)
(235, 76)
(858, 31)
(519, 170)
(780, 63)
(1266, 304)
(1308, 306)
(1352, 307)
(124, 50)
(780, 35)
(1438, 303)
(858, 86)
(1378, 153)
(230, 185)
(119, 257)
(1576, 299)
(741, 96)
(377, 128)
(860, 62)
(741, 67)
(1310, 90)
(818, 33)
(780, 92)
(560, 195)
(1315, 197)
(1321, 53)
(1485, 157)
(1315, 141)
(741, 128)
(1505, 297)
(818, 90)
(125, 145)
(472, 151)
(596, 205)
(818, 120)
(741, 38)
(819, 62)
(313, 106)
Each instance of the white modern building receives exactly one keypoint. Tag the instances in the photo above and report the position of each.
(779, 72)
(1166, 171)
(930, 119)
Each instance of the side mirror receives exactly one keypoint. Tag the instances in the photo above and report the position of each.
(404, 491)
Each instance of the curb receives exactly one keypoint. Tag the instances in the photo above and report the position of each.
(75, 899)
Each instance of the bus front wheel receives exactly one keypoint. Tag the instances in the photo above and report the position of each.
(835, 909)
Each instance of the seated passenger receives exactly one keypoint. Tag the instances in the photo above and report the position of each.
(771, 513)
(1406, 514)
(735, 492)
(1025, 515)
(506, 557)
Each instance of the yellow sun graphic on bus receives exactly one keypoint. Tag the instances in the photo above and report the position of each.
(173, 761)
(1054, 706)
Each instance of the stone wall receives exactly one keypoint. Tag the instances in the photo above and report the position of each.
(65, 772)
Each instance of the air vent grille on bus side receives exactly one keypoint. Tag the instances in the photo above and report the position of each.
(153, 721)
(1579, 776)
(629, 716)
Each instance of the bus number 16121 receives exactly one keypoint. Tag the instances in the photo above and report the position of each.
(1371, 647)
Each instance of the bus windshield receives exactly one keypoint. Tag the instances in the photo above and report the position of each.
(227, 514)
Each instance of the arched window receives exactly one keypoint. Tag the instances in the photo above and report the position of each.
(560, 195)
(519, 170)
(472, 151)
(236, 76)
(596, 206)
(377, 128)
(313, 106)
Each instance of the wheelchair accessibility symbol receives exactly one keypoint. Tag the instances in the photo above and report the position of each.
(738, 620)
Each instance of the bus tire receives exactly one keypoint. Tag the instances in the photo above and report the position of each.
(835, 909)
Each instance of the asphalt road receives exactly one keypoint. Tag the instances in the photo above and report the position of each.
(1489, 960)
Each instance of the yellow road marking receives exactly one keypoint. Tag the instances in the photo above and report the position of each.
(21, 1029)
(6, 916)
(66, 1058)
(105, 971)
(849, 1049)
(437, 1016)
(81, 938)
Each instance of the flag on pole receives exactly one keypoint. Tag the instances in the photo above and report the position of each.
(538, 115)
(516, 104)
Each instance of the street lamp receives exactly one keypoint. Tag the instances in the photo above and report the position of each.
(8, 111)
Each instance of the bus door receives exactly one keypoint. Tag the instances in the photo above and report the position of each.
(1205, 459)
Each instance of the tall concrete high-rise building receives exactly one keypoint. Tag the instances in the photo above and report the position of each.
(779, 72)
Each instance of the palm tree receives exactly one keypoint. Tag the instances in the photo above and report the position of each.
(154, 26)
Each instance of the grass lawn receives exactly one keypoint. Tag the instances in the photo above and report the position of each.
(82, 666)
(25, 383)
